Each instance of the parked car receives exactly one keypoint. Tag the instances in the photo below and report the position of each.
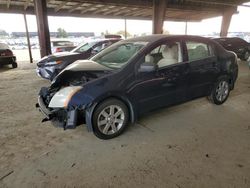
(237, 45)
(61, 46)
(135, 76)
(6, 56)
(49, 66)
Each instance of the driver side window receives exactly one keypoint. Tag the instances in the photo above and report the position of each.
(166, 54)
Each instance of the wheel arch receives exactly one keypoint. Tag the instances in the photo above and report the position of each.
(90, 110)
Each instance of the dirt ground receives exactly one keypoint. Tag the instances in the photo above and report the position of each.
(195, 144)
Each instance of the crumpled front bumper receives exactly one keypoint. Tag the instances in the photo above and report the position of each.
(43, 109)
(70, 117)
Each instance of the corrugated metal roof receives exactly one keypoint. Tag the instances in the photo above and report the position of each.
(191, 10)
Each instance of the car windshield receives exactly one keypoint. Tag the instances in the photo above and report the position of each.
(119, 54)
(3, 46)
(84, 47)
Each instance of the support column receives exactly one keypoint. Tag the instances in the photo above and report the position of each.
(43, 27)
(159, 9)
(186, 27)
(28, 37)
(226, 19)
(125, 28)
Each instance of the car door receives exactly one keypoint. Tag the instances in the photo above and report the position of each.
(163, 87)
(203, 68)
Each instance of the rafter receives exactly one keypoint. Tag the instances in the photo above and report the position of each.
(118, 9)
(27, 4)
(60, 6)
(105, 9)
(141, 12)
(75, 7)
(128, 11)
(88, 9)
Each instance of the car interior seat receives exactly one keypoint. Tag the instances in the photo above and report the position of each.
(149, 59)
(170, 56)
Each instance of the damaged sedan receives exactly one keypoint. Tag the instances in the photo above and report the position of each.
(136, 76)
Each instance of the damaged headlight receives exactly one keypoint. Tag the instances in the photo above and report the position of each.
(63, 96)
(53, 63)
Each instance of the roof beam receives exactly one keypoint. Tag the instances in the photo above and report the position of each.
(8, 4)
(26, 4)
(118, 9)
(217, 3)
(129, 3)
(75, 7)
(60, 6)
(103, 10)
(125, 11)
(88, 9)
(142, 12)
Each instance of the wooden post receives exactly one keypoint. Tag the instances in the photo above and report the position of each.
(226, 19)
(159, 9)
(125, 22)
(43, 27)
(186, 27)
(28, 37)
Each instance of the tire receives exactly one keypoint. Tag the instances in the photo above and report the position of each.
(14, 65)
(57, 123)
(220, 91)
(246, 56)
(110, 119)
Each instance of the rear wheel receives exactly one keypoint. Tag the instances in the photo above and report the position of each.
(220, 91)
(110, 119)
(14, 65)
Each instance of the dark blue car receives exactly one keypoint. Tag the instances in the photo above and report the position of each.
(136, 76)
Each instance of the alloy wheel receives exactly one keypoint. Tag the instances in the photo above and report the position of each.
(222, 91)
(247, 54)
(110, 119)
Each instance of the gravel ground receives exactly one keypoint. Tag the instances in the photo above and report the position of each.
(195, 144)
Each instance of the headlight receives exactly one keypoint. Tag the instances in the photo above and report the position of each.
(63, 96)
(53, 62)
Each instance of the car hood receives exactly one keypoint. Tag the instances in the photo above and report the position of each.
(59, 56)
(80, 72)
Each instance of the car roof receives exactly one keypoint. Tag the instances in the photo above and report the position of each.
(156, 37)
(103, 39)
(60, 40)
(227, 38)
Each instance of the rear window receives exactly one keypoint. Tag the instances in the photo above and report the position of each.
(3, 46)
(198, 50)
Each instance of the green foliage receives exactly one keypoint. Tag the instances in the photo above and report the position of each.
(3, 33)
(123, 33)
(61, 33)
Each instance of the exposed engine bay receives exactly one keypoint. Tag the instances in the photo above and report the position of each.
(56, 97)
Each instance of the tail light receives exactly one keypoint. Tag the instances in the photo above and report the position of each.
(59, 50)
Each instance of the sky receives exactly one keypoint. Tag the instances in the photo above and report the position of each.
(15, 22)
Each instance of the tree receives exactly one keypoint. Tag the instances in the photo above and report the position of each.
(166, 32)
(123, 33)
(3, 33)
(61, 33)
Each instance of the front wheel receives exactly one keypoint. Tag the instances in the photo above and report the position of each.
(246, 56)
(220, 91)
(110, 119)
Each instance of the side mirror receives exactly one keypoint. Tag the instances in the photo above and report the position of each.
(147, 67)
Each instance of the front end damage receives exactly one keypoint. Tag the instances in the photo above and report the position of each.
(64, 103)
(53, 105)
